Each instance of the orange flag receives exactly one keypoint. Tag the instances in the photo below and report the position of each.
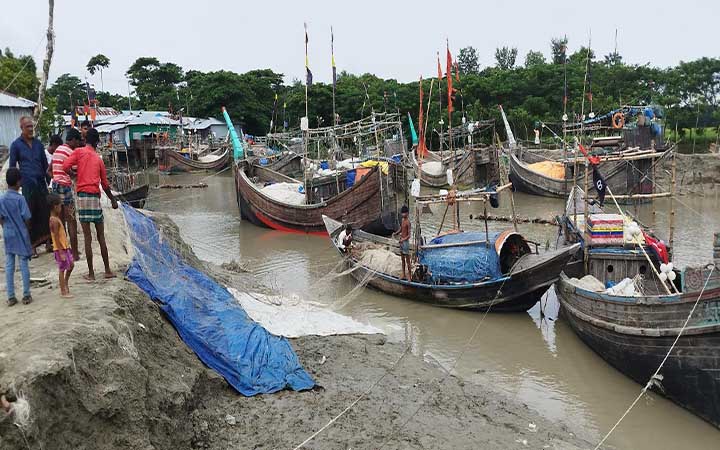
(448, 72)
(421, 150)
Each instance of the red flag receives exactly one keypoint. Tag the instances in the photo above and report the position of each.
(457, 72)
(658, 247)
(594, 160)
(439, 69)
(448, 72)
(421, 150)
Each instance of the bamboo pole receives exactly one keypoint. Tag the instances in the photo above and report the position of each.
(672, 205)
(587, 235)
(512, 206)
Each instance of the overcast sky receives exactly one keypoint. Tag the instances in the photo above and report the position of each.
(391, 39)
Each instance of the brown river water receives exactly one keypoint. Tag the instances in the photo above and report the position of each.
(539, 362)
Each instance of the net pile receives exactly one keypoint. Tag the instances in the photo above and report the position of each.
(381, 260)
(285, 193)
(433, 168)
(550, 169)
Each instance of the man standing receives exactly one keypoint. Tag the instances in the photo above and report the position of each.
(62, 186)
(28, 153)
(404, 232)
(84, 127)
(91, 174)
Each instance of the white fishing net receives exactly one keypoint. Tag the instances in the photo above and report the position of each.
(285, 193)
(433, 167)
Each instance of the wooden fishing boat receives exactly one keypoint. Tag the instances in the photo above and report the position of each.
(519, 288)
(629, 173)
(135, 197)
(370, 203)
(635, 333)
(171, 161)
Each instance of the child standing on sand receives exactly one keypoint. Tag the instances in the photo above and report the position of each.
(63, 253)
(15, 218)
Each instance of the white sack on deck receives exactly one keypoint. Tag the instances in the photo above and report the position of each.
(433, 167)
(285, 192)
(292, 317)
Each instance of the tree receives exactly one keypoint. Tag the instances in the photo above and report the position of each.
(67, 90)
(46, 63)
(468, 61)
(613, 59)
(156, 84)
(559, 50)
(17, 75)
(506, 57)
(98, 62)
(534, 59)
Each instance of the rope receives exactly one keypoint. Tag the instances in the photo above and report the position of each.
(27, 61)
(653, 377)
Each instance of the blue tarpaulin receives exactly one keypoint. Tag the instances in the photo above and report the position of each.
(209, 319)
(465, 264)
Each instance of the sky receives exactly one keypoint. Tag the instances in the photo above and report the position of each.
(391, 39)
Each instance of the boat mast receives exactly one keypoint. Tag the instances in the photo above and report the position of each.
(587, 166)
(671, 237)
(305, 122)
(564, 116)
(440, 122)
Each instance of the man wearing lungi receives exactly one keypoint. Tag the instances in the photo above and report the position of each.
(91, 175)
(29, 153)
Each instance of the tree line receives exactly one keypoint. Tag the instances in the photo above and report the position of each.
(530, 90)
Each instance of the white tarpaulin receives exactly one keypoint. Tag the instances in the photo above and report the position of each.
(293, 317)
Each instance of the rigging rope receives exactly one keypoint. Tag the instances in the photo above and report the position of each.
(653, 377)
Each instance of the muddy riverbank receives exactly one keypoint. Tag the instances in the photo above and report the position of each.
(106, 370)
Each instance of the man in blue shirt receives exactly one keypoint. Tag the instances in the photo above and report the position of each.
(14, 216)
(29, 153)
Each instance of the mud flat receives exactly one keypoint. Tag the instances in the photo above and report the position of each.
(106, 370)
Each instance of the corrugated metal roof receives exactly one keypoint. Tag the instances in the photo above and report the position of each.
(202, 124)
(110, 127)
(99, 111)
(13, 101)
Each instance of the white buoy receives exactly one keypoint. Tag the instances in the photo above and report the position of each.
(663, 276)
(671, 276)
(663, 268)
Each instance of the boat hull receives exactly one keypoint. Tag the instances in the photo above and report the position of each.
(517, 292)
(622, 177)
(171, 161)
(363, 205)
(634, 337)
(135, 197)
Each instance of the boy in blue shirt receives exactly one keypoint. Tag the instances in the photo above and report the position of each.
(15, 217)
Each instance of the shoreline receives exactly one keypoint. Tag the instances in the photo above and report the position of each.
(106, 370)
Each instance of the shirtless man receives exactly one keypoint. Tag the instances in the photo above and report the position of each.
(405, 243)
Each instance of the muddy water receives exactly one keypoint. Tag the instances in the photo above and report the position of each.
(538, 361)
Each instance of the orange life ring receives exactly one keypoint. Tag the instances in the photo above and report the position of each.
(618, 120)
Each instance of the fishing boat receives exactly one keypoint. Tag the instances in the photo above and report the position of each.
(521, 278)
(655, 323)
(368, 203)
(135, 197)
(172, 161)
(627, 157)
(475, 166)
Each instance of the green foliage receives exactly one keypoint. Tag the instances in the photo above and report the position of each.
(558, 47)
(534, 58)
(98, 62)
(505, 57)
(22, 70)
(66, 88)
(613, 59)
(156, 84)
(468, 61)
(50, 121)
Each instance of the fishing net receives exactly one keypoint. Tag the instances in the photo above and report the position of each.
(285, 192)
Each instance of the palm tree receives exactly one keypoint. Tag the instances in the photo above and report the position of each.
(98, 62)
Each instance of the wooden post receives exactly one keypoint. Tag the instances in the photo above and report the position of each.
(671, 238)
(487, 234)
(653, 191)
(585, 224)
(512, 206)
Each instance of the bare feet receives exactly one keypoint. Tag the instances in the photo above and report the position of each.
(108, 275)
(88, 277)
(67, 295)
(4, 403)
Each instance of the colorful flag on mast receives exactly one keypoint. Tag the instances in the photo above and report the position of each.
(457, 72)
(332, 57)
(309, 76)
(440, 77)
